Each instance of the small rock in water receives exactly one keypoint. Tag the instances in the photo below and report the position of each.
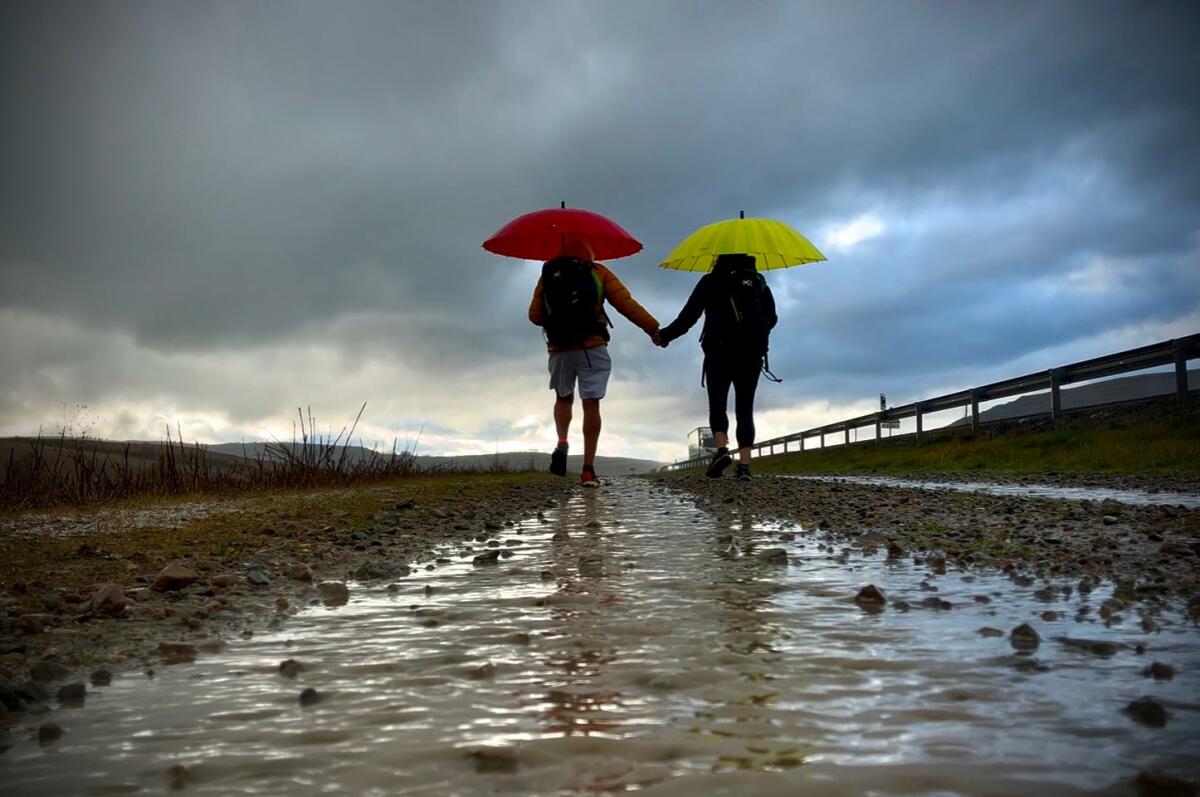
(227, 580)
(1159, 671)
(934, 602)
(101, 677)
(309, 697)
(48, 670)
(290, 668)
(870, 599)
(1097, 647)
(258, 578)
(1158, 784)
(333, 593)
(772, 556)
(300, 572)
(482, 672)
(177, 776)
(177, 652)
(72, 693)
(174, 577)
(591, 565)
(1148, 712)
(560, 536)
(495, 759)
(894, 552)
(1109, 520)
(1024, 638)
(988, 631)
(49, 732)
(487, 558)
(108, 600)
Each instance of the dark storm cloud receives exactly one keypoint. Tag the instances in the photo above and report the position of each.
(214, 175)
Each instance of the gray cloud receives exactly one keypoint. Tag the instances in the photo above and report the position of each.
(227, 177)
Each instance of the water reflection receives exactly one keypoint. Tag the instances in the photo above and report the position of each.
(632, 642)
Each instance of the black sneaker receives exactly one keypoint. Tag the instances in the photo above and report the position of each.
(558, 460)
(742, 473)
(719, 462)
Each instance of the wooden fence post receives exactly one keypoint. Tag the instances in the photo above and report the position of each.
(974, 410)
(1181, 374)
(1055, 394)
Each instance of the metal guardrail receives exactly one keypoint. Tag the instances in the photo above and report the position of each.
(1177, 351)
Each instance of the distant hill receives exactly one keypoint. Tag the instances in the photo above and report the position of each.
(512, 460)
(1126, 388)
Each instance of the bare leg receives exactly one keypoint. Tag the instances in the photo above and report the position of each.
(721, 439)
(562, 414)
(744, 455)
(591, 430)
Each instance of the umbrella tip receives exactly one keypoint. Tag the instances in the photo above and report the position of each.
(563, 204)
(741, 214)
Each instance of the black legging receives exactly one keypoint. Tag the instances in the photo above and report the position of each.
(721, 371)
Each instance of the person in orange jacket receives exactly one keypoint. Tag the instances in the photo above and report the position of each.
(568, 303)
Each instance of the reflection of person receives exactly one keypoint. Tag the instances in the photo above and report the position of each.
(568, 303)
(739, 314)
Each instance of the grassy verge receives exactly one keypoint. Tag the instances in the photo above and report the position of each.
(224, 530)
(1159, 446)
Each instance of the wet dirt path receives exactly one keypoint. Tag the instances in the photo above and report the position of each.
(632, 641)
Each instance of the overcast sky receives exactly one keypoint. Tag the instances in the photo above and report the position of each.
(211, 213)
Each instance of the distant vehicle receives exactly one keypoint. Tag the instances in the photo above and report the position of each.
(701, 443)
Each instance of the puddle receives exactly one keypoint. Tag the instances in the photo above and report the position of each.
(653, 649)
(1135, 497)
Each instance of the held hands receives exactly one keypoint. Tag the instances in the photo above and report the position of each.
(656, 336)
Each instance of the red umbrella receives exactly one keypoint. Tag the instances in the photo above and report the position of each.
(563, 232)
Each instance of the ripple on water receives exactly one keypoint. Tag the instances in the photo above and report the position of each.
(701, 670)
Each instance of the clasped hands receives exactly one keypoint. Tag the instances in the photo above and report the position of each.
(656, 337)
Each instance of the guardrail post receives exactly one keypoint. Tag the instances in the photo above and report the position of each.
(822, 438)
(920, 429)
(846, 432)
(974, 410)
(1181, 374)
(1055, 394)
(879, 426)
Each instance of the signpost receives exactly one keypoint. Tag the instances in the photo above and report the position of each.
(886, 424)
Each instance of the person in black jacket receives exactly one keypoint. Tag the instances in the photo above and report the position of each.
(739, 314)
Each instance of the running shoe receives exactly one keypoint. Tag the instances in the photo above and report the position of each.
(589, 478)
(742, 473)
(719, 462)
(558, 460)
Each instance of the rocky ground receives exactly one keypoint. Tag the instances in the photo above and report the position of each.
(86, 594)
(1152, 554)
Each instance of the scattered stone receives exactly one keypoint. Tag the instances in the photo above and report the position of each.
(1158, 784)
(374, 571)
(490, 760)
(560, 536)
(100, 677)
(174, 577)
(258, 578)
(487, 558)
(870, 599)
(227, 580)
(772, 556)
(48, 670)
(482, 672)
(934, 602)
(177, 652)
(988, 631)
(177, 776)
(333, 593)
(48, 733)
(591, 565)
(309, 697)
(1159, 671)
(894, 551)
(290, 668)
(1096, 647)
(1148, 712)
(1024, 638)
(72, 693)
(301, 572)
(108, 599)
(1109, 520)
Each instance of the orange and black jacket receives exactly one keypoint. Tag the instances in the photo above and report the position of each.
(615, 292)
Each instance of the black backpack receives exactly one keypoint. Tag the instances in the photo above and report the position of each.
(571, 299)
(737, 319)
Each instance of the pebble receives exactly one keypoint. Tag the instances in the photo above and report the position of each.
(988, 631)
(1148, 712)
(1096, 647)
(49, 732)
(495, 759)
(258, 578)
(290, 668)
(591, 565)
(108, 600)
(870, 599)
(74, 693)
(100, 677)
(1024, 638)
(333, 593)
(48, 670)
(487, 558)
(177, 652)
(174, 577)
(309, 697)
(772, 556)
(1159, 671)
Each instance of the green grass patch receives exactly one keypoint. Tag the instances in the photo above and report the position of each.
(1160, 446)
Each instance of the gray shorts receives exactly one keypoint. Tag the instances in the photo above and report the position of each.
(590, 366)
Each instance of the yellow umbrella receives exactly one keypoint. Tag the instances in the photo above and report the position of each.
(772, 243)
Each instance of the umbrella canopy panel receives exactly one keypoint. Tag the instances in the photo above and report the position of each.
(772, 243)
(563, 232)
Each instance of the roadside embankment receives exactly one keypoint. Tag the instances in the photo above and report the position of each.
(1152, 553)
(1151, 445)
(144, 584)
